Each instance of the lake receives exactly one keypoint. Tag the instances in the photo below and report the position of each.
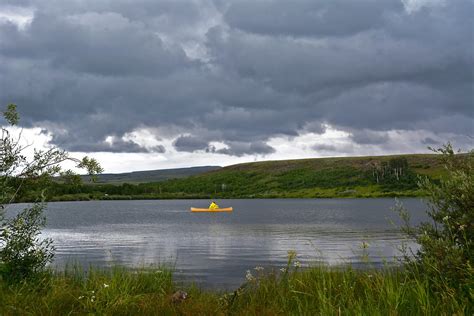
(215, 250)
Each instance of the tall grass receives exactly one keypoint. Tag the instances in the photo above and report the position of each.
(325, 291)
(314, 291)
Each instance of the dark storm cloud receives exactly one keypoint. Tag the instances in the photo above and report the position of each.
(190, 144)
(429, 141)
(118, 146)
(309, 17)
(243, 148)
(234, 148)
(104, 44)
(369, 137)
(237, 73)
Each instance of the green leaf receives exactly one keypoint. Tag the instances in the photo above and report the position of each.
(11, 115)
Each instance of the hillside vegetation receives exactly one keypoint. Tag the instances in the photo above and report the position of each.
(375, 176)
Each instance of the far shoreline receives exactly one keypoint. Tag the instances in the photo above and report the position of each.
(146, 198)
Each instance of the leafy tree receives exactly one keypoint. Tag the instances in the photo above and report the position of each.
(446, 253)
(22, 252)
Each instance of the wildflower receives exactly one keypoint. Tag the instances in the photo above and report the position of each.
(93, 292)
(461, 227)
(158, 271)
(370, 276)
(364, 245)
(291, 254)
(81, 297)
(283, 270)
(106, 285)
(446, 218)
(297, 264)
(258, 269)
(249, 276)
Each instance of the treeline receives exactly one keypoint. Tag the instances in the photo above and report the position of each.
(378, 178)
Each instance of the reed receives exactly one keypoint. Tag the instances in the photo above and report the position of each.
(317, 290)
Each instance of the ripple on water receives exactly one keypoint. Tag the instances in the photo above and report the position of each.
(217, 249)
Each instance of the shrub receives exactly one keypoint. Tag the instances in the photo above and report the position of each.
(22, 253)
(446, 253)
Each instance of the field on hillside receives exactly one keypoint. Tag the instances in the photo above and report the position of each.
(375, 176)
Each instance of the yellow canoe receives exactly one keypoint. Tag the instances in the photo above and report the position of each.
(226, 209)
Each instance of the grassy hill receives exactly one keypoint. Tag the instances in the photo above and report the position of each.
(322, 177)
(372, 176)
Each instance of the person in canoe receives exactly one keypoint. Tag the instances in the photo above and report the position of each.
(213, 206)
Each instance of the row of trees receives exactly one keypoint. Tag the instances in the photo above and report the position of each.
(395, 167)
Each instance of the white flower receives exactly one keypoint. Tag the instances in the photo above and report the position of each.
(446, 218)
(158, 271)
(249, 276)
(461, 227)
(297, 264)
(92, 292)
(258, 268)
(283, 270)
(106, 285)
(81, 297)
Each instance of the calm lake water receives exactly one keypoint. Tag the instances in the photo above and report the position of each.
(215, 250)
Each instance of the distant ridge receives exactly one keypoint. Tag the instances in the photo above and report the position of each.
(337, 177)
(151, 175)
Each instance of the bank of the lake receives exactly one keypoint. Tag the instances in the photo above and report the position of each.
(314, 291)
(349, 177)
(309, 194)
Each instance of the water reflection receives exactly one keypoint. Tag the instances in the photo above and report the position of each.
(217, 249)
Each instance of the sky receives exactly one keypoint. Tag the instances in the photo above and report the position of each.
(152, 84)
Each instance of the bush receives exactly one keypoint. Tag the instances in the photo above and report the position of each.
(22, 253)
(446, 253)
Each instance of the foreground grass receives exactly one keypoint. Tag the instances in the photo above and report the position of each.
(314, 291)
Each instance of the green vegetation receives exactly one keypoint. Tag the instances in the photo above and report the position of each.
(437, 280)
(22, 254)
(383, 176)
(446, 255)
(313, 291)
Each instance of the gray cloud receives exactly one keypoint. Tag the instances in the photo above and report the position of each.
(429, 141)
(119, 146)
(310, 18)
(369, 137)
(324, 147)
(190, 144)
(237, 73)
(242, 148)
